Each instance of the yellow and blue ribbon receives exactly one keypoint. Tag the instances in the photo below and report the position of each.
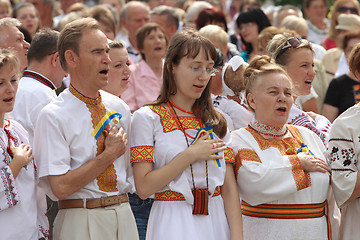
(304, 148)
(207, 129)
(105, 121)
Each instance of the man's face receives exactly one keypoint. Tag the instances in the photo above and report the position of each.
(12, 38)
(137, 17)
(92, 63)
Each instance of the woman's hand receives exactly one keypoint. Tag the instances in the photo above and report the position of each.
(312, 115)
(22, 154)
(311, 163)
(204, 149)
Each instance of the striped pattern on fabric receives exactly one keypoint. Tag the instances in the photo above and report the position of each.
(284, 211)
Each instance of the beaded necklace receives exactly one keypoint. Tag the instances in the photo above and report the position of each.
(200, 206)
(268, 130)
(183, 110)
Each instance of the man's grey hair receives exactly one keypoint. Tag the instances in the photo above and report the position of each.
(9, 22)
(193, 11)
(171, 14)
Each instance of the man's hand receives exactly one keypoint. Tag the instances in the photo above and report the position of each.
(116, 142)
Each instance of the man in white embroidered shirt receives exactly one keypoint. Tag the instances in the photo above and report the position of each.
(83, 155)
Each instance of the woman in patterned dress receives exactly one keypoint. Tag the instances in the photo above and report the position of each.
(192, 177)
(21, 216)
(281, 170)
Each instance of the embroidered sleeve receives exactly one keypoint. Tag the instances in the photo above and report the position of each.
(321, 126)
(342, 155)
(142, 154)
(229, 155)
(302, 178)
(245, 155)
(9, 196)
(142, 136)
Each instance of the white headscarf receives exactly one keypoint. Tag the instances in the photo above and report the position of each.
(235, 62)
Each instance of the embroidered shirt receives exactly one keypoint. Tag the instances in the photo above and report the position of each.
(63, 142)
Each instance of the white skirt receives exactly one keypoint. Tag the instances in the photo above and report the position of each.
(174, 220)
(285, 229)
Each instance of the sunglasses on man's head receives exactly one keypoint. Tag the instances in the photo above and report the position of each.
(291, 42)
(347, 9)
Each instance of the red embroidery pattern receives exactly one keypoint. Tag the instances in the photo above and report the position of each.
(169, 123)
(229, 155)
(106, 181)
(142, 154)
(176, 196)
(287, 146)
(169, 196)
(245, 154)
(302, 178)
(10, 193)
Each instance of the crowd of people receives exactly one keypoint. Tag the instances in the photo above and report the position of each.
(179, 119)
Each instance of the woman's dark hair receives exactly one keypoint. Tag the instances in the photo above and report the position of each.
(257, 16)
(210, 16)
(145, 31)
(188, 44)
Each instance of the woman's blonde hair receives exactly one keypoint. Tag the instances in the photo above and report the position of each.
(278, 42)
(9, 58)
(258, 67)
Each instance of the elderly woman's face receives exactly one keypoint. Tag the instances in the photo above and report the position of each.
(272, 99)
(300, 67)
(154, 45)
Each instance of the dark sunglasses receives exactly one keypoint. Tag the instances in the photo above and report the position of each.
(291, 42)
(346, 9)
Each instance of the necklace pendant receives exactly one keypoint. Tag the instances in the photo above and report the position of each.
(201, 201)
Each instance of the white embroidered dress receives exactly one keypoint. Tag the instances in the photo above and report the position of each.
(269, 172)
(20, 217)
(156, 138)
(344, 153)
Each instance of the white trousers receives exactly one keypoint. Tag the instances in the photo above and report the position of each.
(115, 222)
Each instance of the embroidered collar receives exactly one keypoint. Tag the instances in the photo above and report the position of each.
(83, 98)
(268, 130)
(39, 78)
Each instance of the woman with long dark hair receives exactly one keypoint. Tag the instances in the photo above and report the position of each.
(180, 152)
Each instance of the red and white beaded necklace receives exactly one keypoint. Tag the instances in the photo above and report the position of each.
(268, 130)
